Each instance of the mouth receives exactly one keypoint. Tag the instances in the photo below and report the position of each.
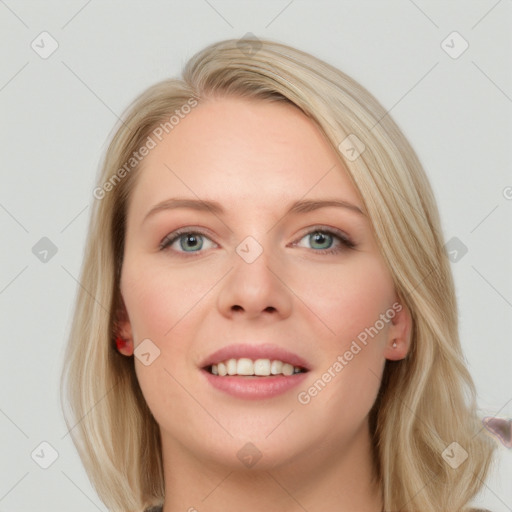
(254, 371)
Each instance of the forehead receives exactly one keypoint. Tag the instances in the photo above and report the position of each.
(241, 151)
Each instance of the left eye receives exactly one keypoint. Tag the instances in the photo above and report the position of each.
(325, 240)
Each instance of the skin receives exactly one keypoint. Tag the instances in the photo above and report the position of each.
(256, 158)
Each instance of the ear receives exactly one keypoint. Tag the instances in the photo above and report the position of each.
(399, 332)
(123, 336)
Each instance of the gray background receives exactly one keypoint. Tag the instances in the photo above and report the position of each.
(57, 113)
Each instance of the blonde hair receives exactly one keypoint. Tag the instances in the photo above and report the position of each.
(426, 401)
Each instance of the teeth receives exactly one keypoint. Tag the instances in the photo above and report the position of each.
(276, 367)
(231, 366)
(248, 367)
(262, 367)
(287, 369)
(245, 367)
(222, 369)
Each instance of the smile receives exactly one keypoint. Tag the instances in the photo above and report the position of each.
(254, 371)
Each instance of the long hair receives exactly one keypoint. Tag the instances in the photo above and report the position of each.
(426, 401)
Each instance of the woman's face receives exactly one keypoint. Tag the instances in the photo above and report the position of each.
(245, 242)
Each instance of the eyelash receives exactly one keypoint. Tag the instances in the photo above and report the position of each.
(344, 240)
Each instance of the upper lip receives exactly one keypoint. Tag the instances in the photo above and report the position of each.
(263, 351)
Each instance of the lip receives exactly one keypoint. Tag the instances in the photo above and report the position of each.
(264, 351)
(254, 387)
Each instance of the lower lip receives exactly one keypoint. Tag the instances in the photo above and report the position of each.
(254, 388)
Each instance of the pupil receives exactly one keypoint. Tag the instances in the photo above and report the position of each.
(191, 242)
(321, 239)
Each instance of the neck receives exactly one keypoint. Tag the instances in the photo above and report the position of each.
(323, 478)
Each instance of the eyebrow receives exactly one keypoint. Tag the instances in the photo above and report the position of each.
(301, 206)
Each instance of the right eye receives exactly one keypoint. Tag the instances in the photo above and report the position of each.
(186, 241)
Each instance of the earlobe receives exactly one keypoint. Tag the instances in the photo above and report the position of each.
(123, 338)
(399, 338)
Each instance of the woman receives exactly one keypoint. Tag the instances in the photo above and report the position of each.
(268, 317)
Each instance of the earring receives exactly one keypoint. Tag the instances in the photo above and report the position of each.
(122, 345)
(394, 344)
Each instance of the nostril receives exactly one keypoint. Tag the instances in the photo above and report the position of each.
(236, 307)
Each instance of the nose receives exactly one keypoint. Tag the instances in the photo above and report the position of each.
(255, 290)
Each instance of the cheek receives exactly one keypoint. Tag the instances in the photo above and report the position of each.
(158, 298)
(351, 298)
(350, 301)
(162, 303)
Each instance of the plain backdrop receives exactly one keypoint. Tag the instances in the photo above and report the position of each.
(58, 110)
